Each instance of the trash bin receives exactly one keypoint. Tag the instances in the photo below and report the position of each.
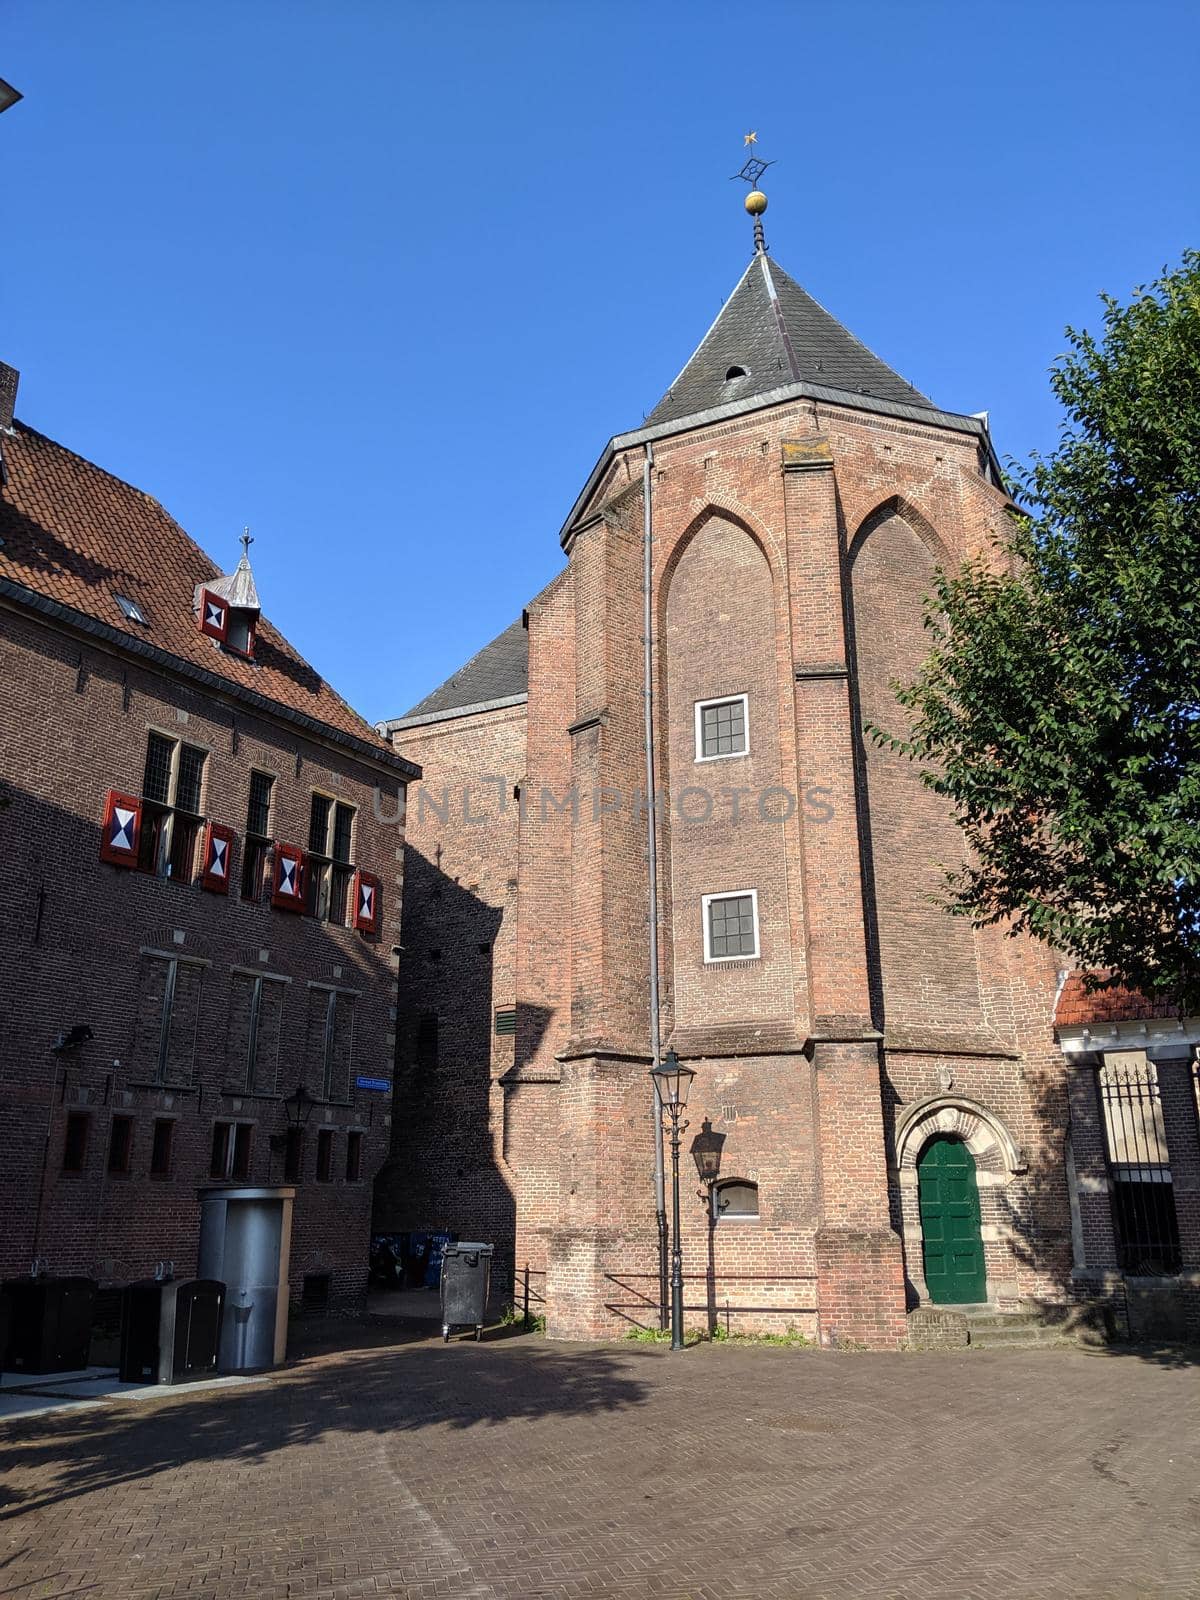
(171, 1332)
(49, 1324)
(466, 1274)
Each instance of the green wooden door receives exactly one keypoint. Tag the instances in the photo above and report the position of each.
(949, 1204)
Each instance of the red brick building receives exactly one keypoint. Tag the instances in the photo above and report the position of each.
(200, 879)
(892, 1098)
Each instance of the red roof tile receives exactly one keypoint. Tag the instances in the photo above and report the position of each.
(79, 536)
(1077, 1008)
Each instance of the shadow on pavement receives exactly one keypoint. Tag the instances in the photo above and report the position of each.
(1155, 1354)
(405, 1318)
(367, 1391)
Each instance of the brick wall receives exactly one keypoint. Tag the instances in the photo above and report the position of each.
(450, 1166)
(928, 968)
(74, 722)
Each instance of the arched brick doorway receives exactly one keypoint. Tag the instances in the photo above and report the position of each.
(997, 1160)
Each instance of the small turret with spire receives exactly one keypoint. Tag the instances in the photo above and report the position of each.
(228, 609)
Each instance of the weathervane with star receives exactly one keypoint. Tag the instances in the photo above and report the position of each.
(756, 200)
(754, 168)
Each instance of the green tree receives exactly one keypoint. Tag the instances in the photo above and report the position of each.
(1059, 710)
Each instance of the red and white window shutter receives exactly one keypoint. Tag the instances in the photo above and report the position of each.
(217, 859)
(366, 902)
(122, 830)
(287, 879)
(214, 615)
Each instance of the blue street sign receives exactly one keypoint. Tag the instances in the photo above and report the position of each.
(381, 1085)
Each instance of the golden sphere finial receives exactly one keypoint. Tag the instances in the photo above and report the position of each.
(756, 202)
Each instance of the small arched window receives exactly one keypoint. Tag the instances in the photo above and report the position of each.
(735, 372)
(735, 1200)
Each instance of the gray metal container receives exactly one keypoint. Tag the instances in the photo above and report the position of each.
(170, 1332)
(466, 1275)
(245, 1241)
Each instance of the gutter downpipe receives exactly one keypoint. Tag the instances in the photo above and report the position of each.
(35, 1259)
(660, 1193)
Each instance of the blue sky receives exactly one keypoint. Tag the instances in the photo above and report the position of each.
(380, 279)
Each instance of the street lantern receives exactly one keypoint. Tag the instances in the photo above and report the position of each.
(706, 1153)
(672, 1081)
(299, 1106)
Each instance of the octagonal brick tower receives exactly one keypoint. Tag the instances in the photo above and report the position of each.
(802, 494)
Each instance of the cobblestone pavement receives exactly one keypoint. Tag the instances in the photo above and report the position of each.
(521, 1468)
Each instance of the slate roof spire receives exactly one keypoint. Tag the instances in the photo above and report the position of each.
(771, 333)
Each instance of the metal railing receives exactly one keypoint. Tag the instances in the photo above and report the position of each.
(530, 1296)
(715, 1305)
(1142, 1193)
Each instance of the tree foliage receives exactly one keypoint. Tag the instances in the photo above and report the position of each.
(1059, 709)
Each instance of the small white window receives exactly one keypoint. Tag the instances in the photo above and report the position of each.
(722, 728)
(731, 926)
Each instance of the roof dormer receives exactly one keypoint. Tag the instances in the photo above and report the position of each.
(228, 609)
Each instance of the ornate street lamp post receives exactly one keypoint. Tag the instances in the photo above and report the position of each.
(672, 1081)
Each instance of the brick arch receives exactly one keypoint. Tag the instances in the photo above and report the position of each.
(926, 962)
(718, 511)
(163, 938)
(984, 1134)
(897, 505)
(998, 1161)
(722, 617)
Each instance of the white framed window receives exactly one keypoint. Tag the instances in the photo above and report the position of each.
(731, 925)
(722, 728)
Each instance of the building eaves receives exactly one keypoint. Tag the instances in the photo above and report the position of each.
(929, 416)
(397, 724)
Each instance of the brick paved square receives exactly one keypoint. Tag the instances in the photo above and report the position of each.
(520, 1468)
